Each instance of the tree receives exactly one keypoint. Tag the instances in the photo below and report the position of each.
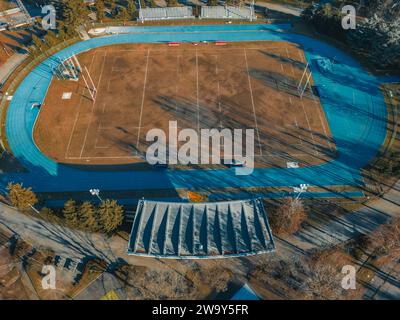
(324, 277)
(131, 8)
(88, 217)
(37, 43)
(71, 213)
(20, 197)
(122, 14)
(50, 39)
(288, 217)
(110, 215)
(74, 12)
(171, 3)
(153, 4)
(100, 9)
(385, 240)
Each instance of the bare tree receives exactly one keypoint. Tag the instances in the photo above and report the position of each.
(288, 217)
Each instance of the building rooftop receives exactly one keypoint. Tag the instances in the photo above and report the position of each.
(206, 230)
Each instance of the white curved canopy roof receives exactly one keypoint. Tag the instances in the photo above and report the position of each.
(206, 230)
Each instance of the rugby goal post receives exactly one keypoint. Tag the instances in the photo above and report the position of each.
(71, 69)
(304, 81)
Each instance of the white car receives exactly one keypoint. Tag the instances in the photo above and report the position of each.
(235, 163)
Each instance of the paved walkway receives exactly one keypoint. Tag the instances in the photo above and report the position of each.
(11, 64)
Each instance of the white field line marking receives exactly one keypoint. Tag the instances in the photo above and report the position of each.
(122, 157)
(79, 111)
(218, 90)
(297, 126)
(113, 127)
(102, 113)
(177, 81)
(197, 85)
(196, 49)
(72, 133)
(94, 104)
(97, 138)
(323, 127)
(309, 126)
(252, 101)
(291, 65)
(97, 147)
(143, 96)
(318, 105)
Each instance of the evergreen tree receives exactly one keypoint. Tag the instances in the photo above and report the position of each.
(110, 215)
(88, 217)
(122, 14)
(171, 3)
(100, 7)
(131, 7)
(71, 213)
(20, 197)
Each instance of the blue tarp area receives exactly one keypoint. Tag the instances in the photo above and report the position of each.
(245, 293)
(350, 96)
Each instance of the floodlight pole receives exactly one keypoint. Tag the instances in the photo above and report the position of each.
(303, 188)
(140, 12)
(252, 11)
(96, 192)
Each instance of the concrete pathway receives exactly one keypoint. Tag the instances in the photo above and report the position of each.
(10, 65)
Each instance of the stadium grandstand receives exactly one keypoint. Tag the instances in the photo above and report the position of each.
(200, 230)
(227, 12)
(148, 14)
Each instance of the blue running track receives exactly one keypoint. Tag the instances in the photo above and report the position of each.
(351, 98)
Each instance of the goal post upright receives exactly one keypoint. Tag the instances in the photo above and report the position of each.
(77, 63)
(72, 69)
(302, 87)
(91, 87)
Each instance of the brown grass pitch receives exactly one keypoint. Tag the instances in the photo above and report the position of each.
(144, 86)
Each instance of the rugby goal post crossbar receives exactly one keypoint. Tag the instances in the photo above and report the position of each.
(67, 70)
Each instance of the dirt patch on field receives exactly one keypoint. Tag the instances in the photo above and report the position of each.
(145, 86)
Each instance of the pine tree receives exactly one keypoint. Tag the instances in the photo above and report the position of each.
(71, 213)
(122, 14)
(131, 7)
(100, 9)
(37, 43)
(20, 197)
(88, 217)
(110, 215)
(171, 3)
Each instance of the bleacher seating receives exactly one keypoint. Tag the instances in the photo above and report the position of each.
(167, 13)
(227, 12)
